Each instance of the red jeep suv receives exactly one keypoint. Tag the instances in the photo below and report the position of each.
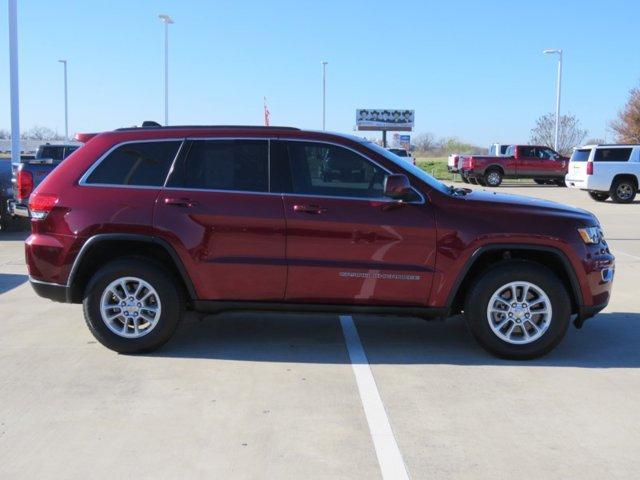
(141, 224)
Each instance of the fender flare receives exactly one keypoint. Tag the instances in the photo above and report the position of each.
(136, 237)
(566, 264)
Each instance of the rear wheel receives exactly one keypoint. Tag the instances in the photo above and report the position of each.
(559, 182)
(493, 178)
(599, 196)
(623, 190)
(464, 179)
(518, 310)
(132, 305)
(539, 181)
(473, 181)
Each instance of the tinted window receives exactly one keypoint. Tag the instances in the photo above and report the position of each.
(55, 152)
(322, 169)
(612, 154)
(144, 164)
(545, 153)
(503, 149)
(526, 151)
(240, 165)
(581, 155)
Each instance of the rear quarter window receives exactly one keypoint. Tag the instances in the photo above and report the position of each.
(580, 155)
(137, 164)
(612, 154)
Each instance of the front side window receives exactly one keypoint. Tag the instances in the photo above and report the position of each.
(612, 154)
(330, 170)
(527, 151)
(240, 165)
(136, 164)
(546, 153)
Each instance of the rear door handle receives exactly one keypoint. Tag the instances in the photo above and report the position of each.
(180, 202)
(314, 209)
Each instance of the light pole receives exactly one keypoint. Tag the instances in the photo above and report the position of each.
(13, 81)
(166, 19)
(324, 94)
(559, 52)
(66, 103)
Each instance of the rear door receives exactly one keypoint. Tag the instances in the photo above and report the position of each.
(218, 213)
(347, 244)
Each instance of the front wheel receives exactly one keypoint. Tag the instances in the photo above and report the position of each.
(599, 196)
(518, 310)
(132, 305)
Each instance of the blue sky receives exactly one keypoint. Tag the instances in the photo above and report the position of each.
(473, 69)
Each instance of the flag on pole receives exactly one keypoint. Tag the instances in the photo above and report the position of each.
(267, 113)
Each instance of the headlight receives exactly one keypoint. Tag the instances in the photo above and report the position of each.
(590, 234)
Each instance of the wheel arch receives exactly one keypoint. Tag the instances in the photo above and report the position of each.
(488, 255)
(622, 176)
(102, 248)
(495, 166)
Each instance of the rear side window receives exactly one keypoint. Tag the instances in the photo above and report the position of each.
(329, 170)
(580, 155)
(612, 154)
(240, 165)
(139, 164)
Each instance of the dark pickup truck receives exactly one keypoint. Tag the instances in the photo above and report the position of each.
(542, 164)
(29, 173)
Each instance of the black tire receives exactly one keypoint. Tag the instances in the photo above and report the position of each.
(489, 282)
(493, 177)
(539, 181)
(599, 196)
(559, 182)
(473, 181)
(623, 190)
(464, 179)
(171, 302)
(480, 181)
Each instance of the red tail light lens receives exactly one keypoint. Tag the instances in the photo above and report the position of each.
(589, 168)
(40, 204)
(24, 184)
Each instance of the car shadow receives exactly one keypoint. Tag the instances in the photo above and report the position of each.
(9, 281)
(17, 235)
(609, 340)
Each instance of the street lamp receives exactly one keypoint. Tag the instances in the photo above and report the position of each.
(13, 81)
(166, 19)
(559, 52)
(66, 104)
(324, 93)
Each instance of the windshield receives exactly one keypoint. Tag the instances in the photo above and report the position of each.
(412, 169)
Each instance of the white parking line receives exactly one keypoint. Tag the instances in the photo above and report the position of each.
(389, 457)
(626, 254)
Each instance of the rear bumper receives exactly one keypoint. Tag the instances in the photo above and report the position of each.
(52, 291)
(16, 209)
(590, 182)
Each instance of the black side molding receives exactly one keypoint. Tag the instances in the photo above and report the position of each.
(52, 291)
(215, 306)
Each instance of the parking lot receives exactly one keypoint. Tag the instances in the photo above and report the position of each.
(276, 396)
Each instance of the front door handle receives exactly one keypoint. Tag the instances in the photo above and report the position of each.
(314, 209)
(180, 202)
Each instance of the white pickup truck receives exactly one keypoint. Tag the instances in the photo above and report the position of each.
(605, 171)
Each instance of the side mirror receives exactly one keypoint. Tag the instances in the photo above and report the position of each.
(397, 186)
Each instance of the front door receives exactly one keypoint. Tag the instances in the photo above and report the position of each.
(347, 244)
(218, 213)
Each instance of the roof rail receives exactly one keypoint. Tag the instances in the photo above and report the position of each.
(156, 125)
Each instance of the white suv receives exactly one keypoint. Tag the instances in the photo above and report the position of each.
(606, 171)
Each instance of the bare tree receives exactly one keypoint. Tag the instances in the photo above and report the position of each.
(569, 136)
(5, 134)
(424, 142)
(41, 133)
(627, 125)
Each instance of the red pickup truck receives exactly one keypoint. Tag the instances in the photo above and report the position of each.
(542, 164)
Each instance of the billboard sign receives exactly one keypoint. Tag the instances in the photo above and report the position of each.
(384, 119)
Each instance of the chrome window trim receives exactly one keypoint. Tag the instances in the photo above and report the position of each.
(184, 140)
(83, 179)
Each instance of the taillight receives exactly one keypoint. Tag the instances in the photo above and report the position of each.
(40, 204)
(24, 184)
(589, 168)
